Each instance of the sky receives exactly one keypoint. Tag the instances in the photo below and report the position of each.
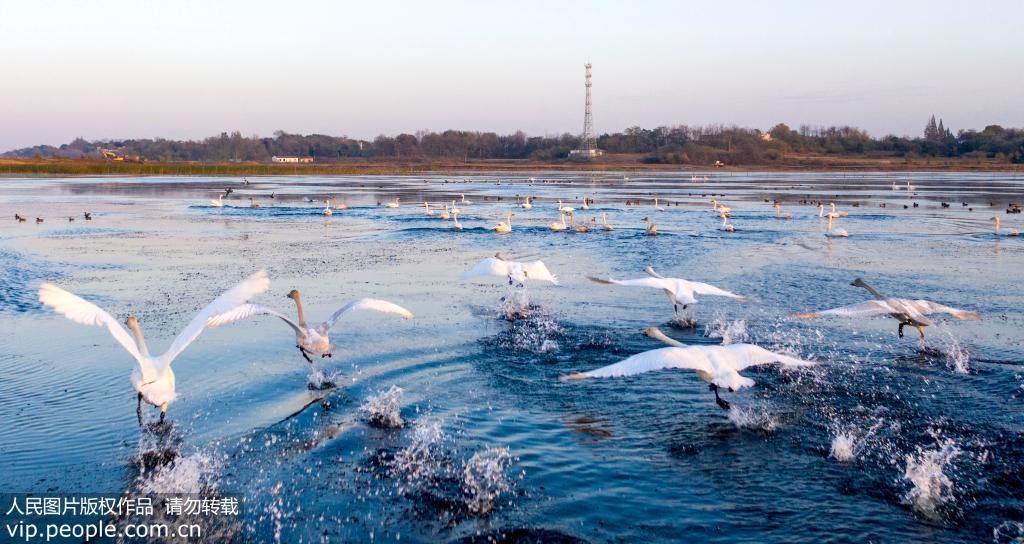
(133, 69)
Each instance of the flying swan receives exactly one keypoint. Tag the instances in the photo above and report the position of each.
(519, 272)
(908, 312)
(679, 291)
(153, 378)
(719, 366)
(308, 339)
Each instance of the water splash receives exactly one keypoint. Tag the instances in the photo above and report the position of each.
(421, 462)
(318, 379)
(194, 474)
(931, 487)
(844, 446)
(955, 354)
(1008, 532)
(515, 304)
(754, 418)
(729, 331)
(384, 408)
(485, 478)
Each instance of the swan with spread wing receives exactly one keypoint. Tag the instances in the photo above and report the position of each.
(310, 340)
(679, 291)
(719, 366)
(519, 272)
(153, 378)
(908, 312)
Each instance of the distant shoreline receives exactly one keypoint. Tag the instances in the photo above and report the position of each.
(608, 163)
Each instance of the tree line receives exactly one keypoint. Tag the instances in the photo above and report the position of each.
(680, 144)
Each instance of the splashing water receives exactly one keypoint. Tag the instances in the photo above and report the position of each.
(485, 478)
(843, 446)
(728, 331)
(956, 355)
(383, 409)
(318, 379)
(758, 419)
(1009, 532)
(516, 304)
(931, 486)
(196, 473)
(421, 461)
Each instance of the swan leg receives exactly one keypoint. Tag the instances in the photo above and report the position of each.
(510, 282)
(163, 412)
(304, 355)
(138, 409)
(920, 330)
(722, 403)
(900, 330)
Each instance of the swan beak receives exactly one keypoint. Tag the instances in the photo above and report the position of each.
(577, 376)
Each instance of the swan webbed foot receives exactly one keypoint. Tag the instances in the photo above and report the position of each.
(304, 355)
(722, 403)
(510, 282)
(325, 355)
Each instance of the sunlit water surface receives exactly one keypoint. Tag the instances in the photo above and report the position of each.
(454, 425)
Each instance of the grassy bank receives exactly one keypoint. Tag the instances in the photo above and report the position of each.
(64, 167)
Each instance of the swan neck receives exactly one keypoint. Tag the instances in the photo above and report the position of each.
(298, 308)
(133, 324)
(872, 290)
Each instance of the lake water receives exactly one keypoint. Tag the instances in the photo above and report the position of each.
(881, 442)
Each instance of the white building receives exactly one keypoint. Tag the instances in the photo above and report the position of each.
(295, 160)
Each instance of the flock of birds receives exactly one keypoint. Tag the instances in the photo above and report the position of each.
(720, 366)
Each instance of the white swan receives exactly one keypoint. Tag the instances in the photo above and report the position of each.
(519, 272)
(455, 221)
(219, 203)
(679, 291)
(395, 204)
(445, 215)
(578, 228)
(309, 340)
(604, 222)
(560, 224)
(565, 209)
(153, 378)
(895, 187)
(837, 213)
(909, 186)
(253, 203)
(719, 366)
(464, 202)
(327, 210)
(526, 205)
(585, 205)
(720, 208)
(656, 206)
(650, 227)
(1011, 232)
(908, 312)
(835, 232)
(779, 214)
(454, 208)
(427, 206)
(725, 226)
(504, 227)
(821, 210)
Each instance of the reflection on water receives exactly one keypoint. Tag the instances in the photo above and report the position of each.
(453, 426)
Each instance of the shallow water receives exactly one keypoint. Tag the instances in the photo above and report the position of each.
(882, 442)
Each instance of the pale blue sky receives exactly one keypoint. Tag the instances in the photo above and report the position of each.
(102, 69)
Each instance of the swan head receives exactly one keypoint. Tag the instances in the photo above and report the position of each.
(293, 294)
(132, 322)
(858, 283)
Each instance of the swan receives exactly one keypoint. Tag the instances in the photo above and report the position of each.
(464, 202)
(837, 213)
(445, 215)
(656, 206)
(650, 227)
(779, 214)
(835, 232)
(506, 226)
(455, 209)
(309, 340)
(519, 272)
(908, 312)
(559, 225)
(586, 205)
(526, 204)
(719, 366)
(1012, 232)
(327, 210)
(910, 187)
(395, 204)
(678, 290)
(720, 208)
(253, 203)
(455, 221)
(427, 206)
(821, 210)
(604, 222)
(219, 203)
(565, 209)
(578, 228)
(725, 224)
(153, 379)
(895, 187)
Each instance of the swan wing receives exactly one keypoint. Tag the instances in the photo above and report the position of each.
(747, 355)
(250, 287)
(82, 311)
(245, 311)
(491, 266)
(927, 307)
(658, 283)
(870, 308)
(373, 304)
(691, 358)
(536, 270)
(708, 289)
